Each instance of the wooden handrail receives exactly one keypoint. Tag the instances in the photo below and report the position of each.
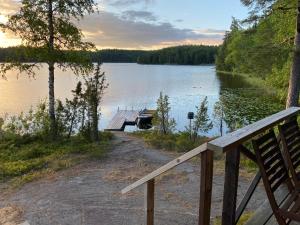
(232, 145)
(223, 143)
(167, 167)
(234, 139)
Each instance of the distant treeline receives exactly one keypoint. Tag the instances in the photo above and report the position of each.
(118, 55)
(181, 55)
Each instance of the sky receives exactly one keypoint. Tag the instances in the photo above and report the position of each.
(149, 24)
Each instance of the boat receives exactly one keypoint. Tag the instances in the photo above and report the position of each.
(144, 119)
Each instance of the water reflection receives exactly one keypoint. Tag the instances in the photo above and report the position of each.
(131, 86)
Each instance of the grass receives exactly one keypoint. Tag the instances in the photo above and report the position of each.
(179, 142)
(244, 218)
(24, 159)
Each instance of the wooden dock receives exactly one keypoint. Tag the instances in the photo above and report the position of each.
(123, 118)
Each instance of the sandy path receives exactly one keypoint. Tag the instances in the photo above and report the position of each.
(89, 194)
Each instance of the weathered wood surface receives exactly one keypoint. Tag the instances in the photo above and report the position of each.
(264, 214)
(206, 179)
(250, 155)
(149, 202)
(122, 118)
(167, 167)
(241, 208)
(232, 164)
(232, 140)
(275, 174)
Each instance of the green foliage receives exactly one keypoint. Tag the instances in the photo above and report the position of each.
(46, 31)
(118, 55)
(183, 55)
(94, 90)
(162, 121)
(32, 24)
(77, 115)
(218, 115)
(192, 55)
(179, 142)
(263, 49)
(202, 122)
(29, 154)
(35, 122)
(243, 220)
(242, 107)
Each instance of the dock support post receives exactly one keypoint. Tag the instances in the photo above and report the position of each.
(230, 186)
(149, 202)
(206, 178)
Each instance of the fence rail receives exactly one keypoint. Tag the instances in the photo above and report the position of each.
(230, 144)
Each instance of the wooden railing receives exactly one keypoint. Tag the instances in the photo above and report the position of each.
(231, 145)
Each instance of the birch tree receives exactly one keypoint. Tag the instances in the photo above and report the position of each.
(47, 29)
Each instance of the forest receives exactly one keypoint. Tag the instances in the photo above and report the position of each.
(185, 55)
(182, 55)
(261, 46)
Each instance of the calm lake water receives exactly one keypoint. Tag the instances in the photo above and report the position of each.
(131, 86)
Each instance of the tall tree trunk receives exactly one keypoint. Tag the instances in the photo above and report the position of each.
(52, 102)
(53, 130)
(294, 82)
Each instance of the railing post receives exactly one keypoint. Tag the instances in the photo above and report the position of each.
(149, 202)
(230, 186)
(206, 178)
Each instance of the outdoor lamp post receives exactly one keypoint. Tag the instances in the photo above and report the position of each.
(190, 116)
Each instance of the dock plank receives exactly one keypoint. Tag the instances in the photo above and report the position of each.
(122, 118)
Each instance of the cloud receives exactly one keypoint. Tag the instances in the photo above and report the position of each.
(211, 32)
(110, 30)
(122, 3)
(179, 20)
(139, 15)
(131, 29)
(9, 6)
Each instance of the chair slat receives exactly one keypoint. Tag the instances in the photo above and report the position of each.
(292, 137)
(274, 172)
(279, 182)
(265, 139)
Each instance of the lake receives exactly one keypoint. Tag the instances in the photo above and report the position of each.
(131, 86)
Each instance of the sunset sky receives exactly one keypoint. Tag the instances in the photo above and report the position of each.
(150, 24)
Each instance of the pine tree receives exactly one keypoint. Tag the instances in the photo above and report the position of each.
(162, 121)
(202, 123)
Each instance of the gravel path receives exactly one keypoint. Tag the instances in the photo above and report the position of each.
(89, 194)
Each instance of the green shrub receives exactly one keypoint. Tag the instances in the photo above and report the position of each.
(20, 157)
(179, 142)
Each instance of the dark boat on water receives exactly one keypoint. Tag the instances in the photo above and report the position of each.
(144, 120)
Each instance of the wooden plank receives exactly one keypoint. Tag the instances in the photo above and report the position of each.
(206, 179)
(241, 208)
(248, 153)
(264, 214)
(149, 201)
(122, 117)
(230, 187)
(166, 167)
(235, 138)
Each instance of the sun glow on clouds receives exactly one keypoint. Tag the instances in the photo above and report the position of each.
(125, 28)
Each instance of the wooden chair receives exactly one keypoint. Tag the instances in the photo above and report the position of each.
(290, 136)
(274, 174)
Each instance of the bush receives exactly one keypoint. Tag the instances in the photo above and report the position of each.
(20, 156)
(179, 142)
